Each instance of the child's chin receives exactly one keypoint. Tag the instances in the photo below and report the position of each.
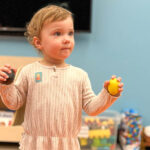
(66, 56)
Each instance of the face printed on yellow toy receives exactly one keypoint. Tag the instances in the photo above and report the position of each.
(57, 39)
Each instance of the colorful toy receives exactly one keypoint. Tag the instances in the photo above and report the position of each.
(113, 86)
(130, 129)
(101, 133)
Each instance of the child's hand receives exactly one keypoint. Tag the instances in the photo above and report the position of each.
(3, 72)
(120, 86)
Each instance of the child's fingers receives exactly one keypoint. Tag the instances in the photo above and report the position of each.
(3, 72)
(2, 79)
(3, 75)
(119, 79)
(113, 76)
(120, 90)
(121, 85)
(5, 69)
(15, 70)
(106, 83)
(8, 66)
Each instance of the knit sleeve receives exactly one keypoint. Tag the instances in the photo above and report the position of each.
(14, 95)
(95, 104)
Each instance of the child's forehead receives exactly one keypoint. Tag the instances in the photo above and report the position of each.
(64, 25)
(53, 20)
(58, 22)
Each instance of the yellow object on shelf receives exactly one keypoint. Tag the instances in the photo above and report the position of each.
(113, 86)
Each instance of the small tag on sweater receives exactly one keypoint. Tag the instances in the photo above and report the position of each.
(38, 77)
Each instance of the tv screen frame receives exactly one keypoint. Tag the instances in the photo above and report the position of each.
(12, 24)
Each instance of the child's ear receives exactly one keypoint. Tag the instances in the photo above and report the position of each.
(37, 43)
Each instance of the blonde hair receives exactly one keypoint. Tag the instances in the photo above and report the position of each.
(50, 13)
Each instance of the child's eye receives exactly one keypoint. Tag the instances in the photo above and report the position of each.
(71, 33)
(57, 33)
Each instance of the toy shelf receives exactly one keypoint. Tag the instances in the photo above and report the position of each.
(11, 134)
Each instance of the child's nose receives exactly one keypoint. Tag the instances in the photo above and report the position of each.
(66, 39)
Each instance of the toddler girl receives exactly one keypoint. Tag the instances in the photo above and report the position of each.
(54, 92)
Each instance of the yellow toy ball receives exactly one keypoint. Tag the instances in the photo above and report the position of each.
(113, 86)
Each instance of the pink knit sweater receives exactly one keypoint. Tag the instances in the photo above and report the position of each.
(54, 100)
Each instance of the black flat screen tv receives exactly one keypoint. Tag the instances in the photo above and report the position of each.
(15, 14)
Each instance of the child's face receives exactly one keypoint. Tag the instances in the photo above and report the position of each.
(57, 40)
